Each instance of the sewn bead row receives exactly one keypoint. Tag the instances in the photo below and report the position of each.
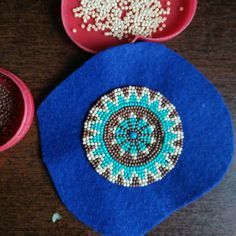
(110, 148)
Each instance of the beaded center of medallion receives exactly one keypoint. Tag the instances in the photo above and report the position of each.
(133, 136)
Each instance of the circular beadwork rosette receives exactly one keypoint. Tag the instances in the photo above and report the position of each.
(133, 136)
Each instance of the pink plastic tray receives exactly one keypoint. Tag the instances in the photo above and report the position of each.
(96, 41)
(22, 111)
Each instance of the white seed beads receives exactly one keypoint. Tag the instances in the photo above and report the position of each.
(123, 18)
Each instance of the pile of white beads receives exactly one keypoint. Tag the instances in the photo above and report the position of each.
(123, 18)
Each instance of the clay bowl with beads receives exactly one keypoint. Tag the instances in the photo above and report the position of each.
(100, 24)
(16, 109)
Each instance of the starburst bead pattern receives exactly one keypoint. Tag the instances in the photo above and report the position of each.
(133, 136)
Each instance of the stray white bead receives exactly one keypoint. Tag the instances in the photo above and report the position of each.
(56, 217)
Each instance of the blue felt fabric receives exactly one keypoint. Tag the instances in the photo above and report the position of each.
(110, 208)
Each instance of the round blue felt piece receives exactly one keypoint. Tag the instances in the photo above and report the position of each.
(112, 209)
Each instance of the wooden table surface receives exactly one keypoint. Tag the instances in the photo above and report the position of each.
(33, 45)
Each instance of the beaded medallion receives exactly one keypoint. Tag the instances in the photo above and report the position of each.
(133, 136)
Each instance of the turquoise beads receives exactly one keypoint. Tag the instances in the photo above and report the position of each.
(133, 136)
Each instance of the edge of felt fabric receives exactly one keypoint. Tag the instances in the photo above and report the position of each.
(197, 196)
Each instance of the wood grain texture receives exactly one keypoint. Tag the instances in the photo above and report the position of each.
(34, 45)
